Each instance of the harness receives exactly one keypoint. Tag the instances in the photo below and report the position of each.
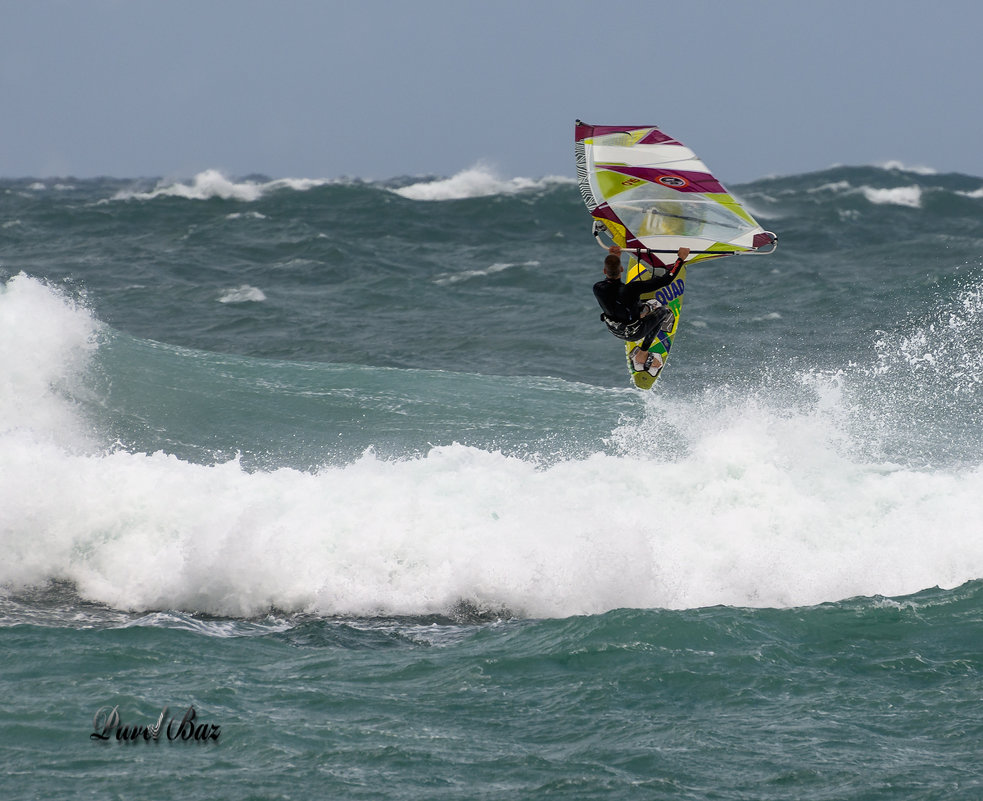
(625, 331)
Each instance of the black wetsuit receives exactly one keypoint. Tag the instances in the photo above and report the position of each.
(621, 306)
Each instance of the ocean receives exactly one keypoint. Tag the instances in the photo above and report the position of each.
(338, 489)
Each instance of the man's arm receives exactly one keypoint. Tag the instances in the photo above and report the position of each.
(681, 255)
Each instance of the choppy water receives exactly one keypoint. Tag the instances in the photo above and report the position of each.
(354, 469)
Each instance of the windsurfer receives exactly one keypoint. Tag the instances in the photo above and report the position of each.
(630, 318)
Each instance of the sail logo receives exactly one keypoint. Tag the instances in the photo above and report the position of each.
(671, 292)
(675, 181)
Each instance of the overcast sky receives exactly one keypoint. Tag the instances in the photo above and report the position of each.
(379, 89)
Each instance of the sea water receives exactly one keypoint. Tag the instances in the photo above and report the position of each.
(339, 489)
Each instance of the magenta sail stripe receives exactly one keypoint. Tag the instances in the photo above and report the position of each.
(654, 137)
(658, 138)
(604, 212)
(582, 132)
(680, 180)
(644, 256)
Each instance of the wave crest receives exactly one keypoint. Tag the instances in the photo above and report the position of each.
(213, 184)
(477, 181)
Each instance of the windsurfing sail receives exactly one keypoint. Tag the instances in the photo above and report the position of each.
(651, 195)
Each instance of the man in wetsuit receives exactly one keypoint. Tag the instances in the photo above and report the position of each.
(629, 318)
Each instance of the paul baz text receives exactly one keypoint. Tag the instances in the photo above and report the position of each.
(107, 724)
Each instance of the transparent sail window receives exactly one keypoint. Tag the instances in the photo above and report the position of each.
(699, 217)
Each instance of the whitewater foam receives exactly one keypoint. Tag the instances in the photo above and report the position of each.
(46, 341)
(453, 278)
(760, 502)
(902, 167)
(910, 196)
(761, 511)
(213, 184)
(478, 181)
(242, 294)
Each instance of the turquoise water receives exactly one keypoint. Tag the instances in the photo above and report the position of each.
(870, 698)
(353, 470)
